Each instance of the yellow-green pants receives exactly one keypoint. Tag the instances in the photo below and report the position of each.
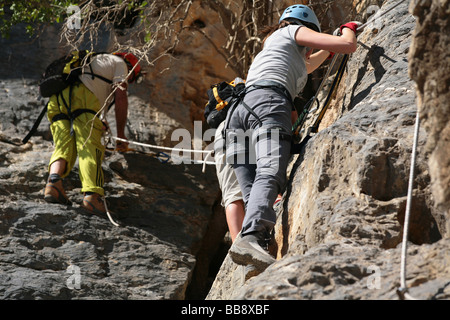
(84, 143)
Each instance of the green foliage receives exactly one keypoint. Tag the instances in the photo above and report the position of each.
(31, 13)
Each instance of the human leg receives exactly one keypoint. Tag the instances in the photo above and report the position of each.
(235, 213)
(231, 191)
(261, 183)
(58, 167)
(54, 190)
(251, 246)
(63, 157)
(88, 131)
(272, 154)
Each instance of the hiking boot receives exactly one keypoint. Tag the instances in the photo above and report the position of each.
(93, 202)
(54, 193)
(249, 250)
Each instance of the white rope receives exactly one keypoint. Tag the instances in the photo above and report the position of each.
(108, 214)
(158, 147)
(204, 162)
(403, 290)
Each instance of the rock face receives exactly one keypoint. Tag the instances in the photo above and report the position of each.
(428, 64)
(50, 251)
(340, 223)
(56, 252)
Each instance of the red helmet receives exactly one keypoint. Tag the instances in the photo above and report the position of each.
(131, 61)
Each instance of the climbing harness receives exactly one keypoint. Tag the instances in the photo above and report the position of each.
(220, 96)
(59, 75)
(403, 290)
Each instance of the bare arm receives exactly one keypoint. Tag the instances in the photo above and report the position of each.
(322, 41)
(121, 109)
(315, 60)
(325, 43)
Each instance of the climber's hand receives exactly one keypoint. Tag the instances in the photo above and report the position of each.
(353, 25)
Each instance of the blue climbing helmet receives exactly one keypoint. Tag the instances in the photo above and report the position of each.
(302, 13)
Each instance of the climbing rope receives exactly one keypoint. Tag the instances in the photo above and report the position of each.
(204, 162)
(302, 116)
(159, 147)
(108, 214)
(403, 290)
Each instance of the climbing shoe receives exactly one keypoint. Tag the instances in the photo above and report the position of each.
(54, 192)
(93, 202)
(250, 249)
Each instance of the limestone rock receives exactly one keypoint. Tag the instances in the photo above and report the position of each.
(49, 251)
(428, 62)
(163, 212)
(339, 227)
(340, 223)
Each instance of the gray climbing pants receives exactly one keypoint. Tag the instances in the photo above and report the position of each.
(258, 146)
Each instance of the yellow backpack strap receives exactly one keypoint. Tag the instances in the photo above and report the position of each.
(68, 66)
(75, 62)
(221, 104)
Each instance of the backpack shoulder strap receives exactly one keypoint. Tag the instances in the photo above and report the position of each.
(36, 125)
(94, 75)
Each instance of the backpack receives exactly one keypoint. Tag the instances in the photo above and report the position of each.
(219, 97)
(60, 74)
(65, 71)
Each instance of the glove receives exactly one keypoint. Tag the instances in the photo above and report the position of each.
(351, 25)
